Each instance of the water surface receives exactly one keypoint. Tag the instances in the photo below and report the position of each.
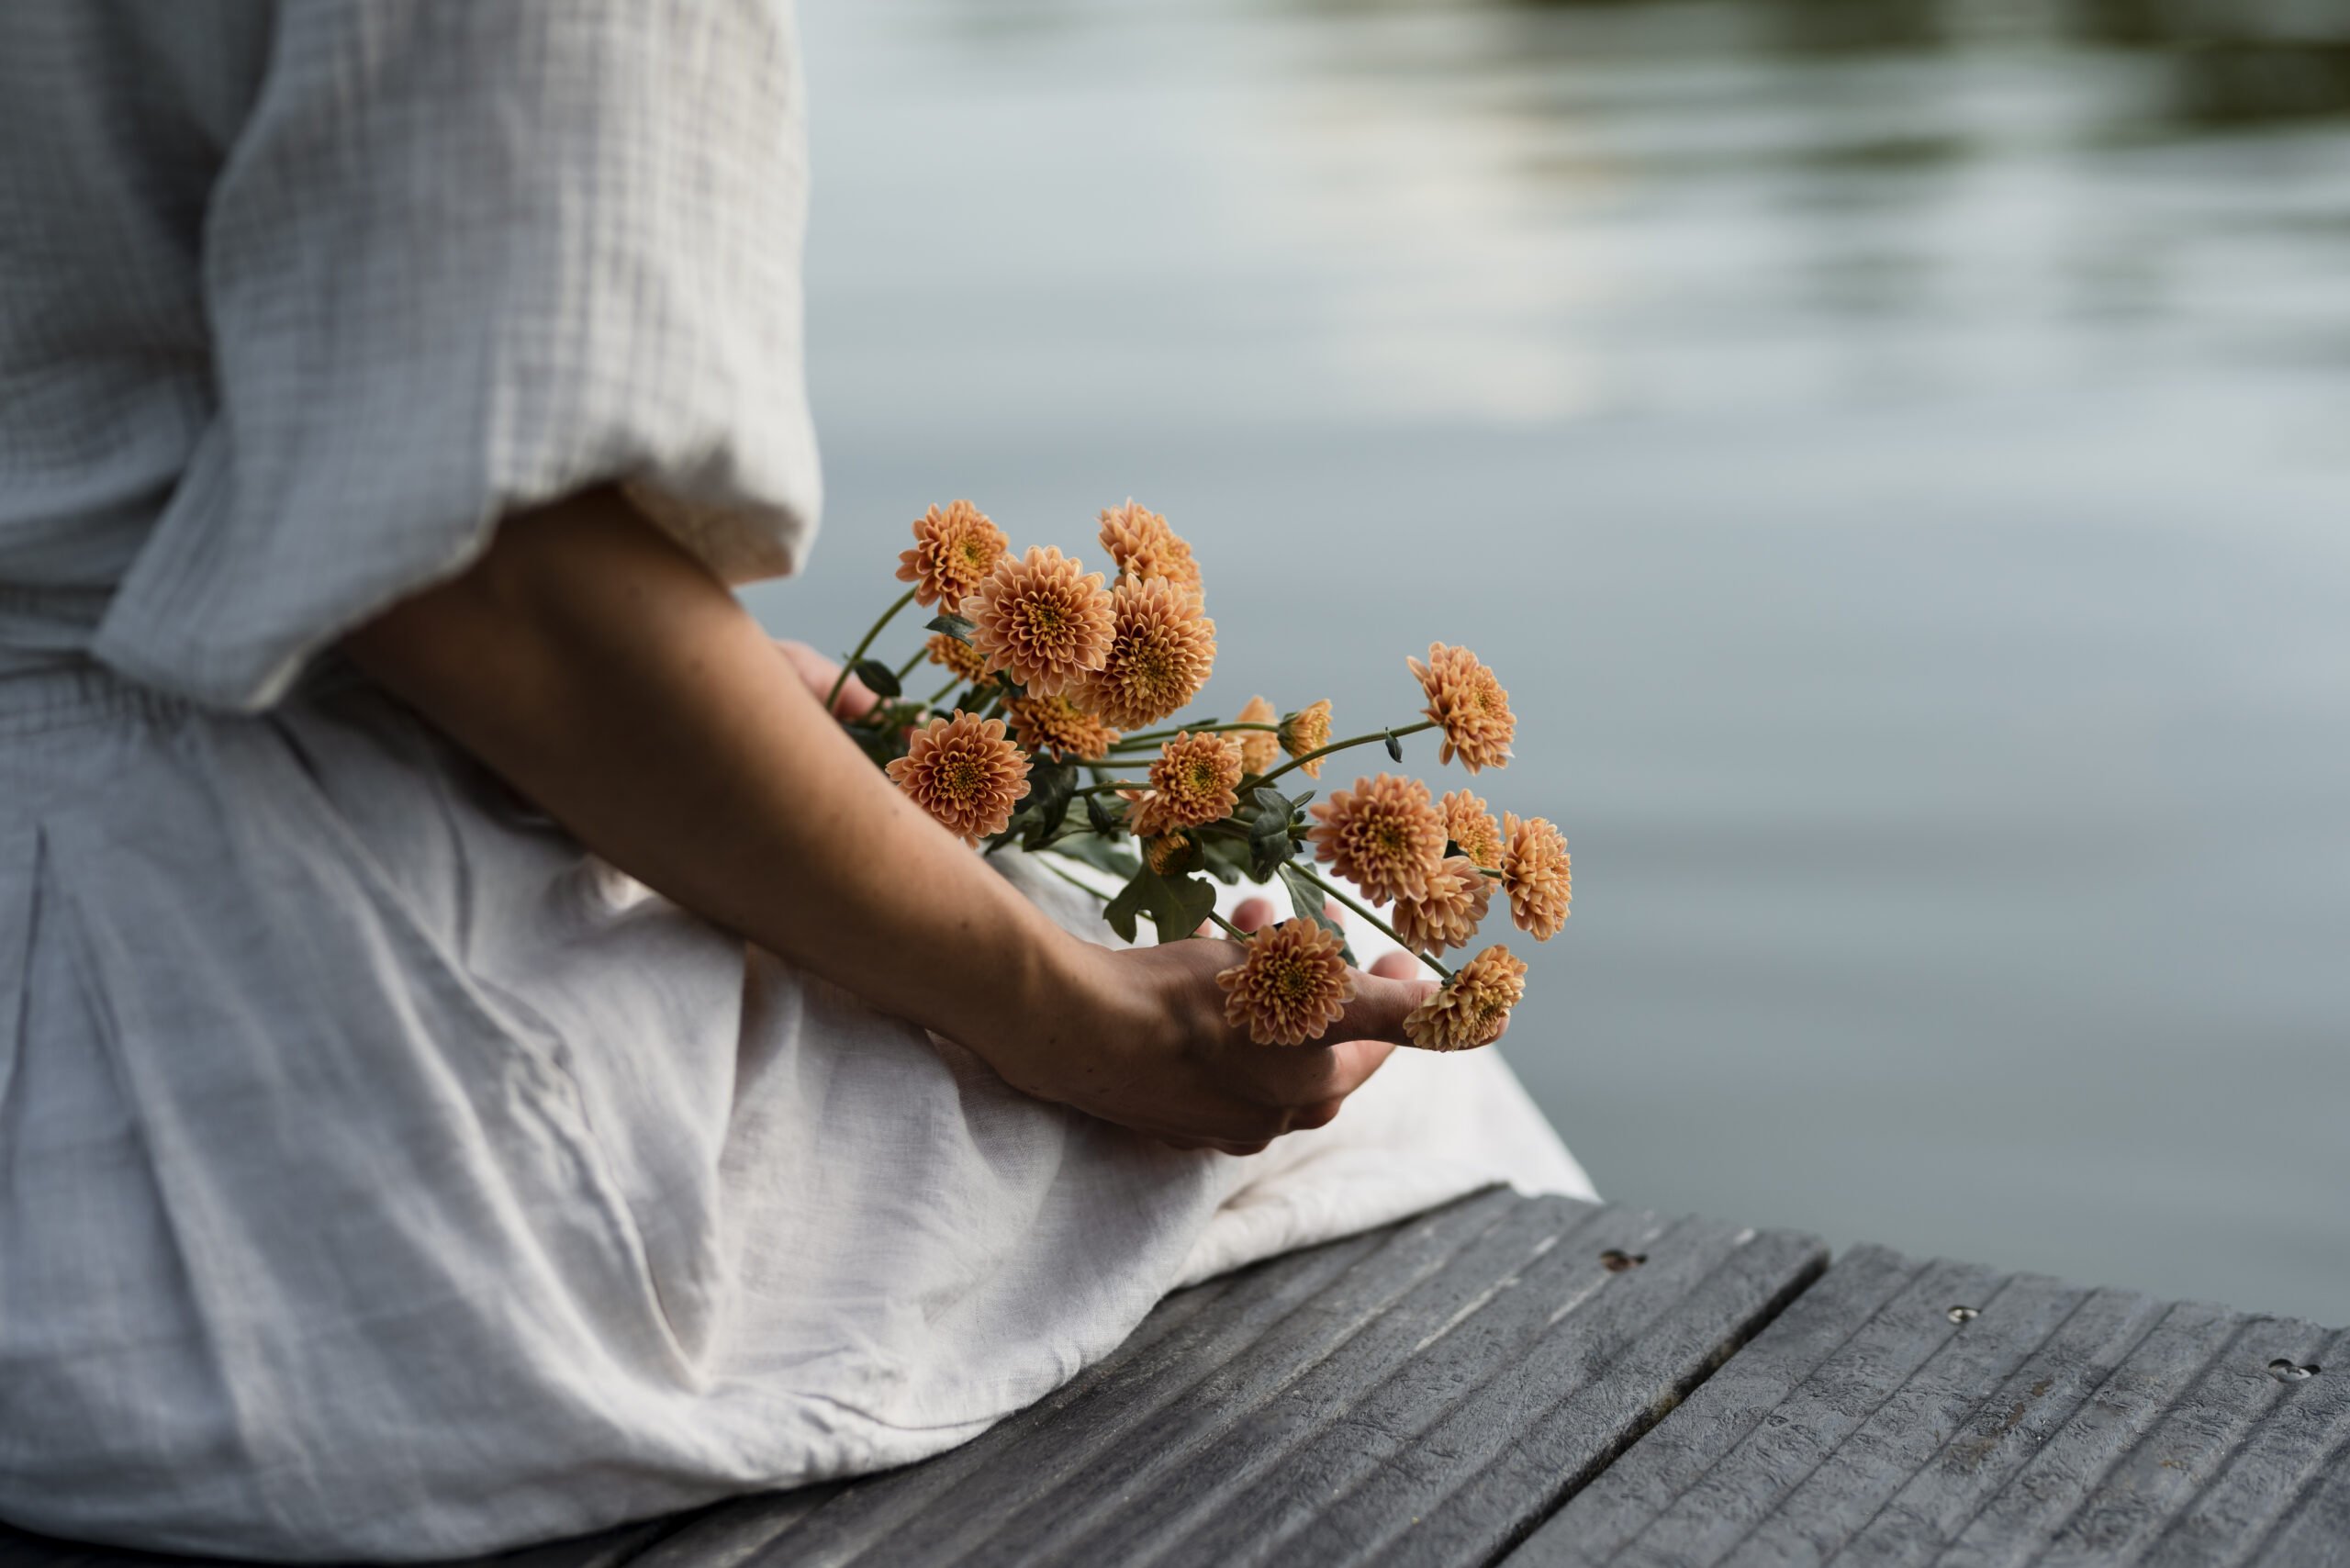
(1895, 452)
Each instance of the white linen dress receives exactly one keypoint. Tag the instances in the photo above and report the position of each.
(382, 1176)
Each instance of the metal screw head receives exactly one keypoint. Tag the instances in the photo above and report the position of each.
(2285, 1369)
(1615, 1261)
(1963, 1314)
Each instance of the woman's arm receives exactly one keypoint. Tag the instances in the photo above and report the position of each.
(606, 676)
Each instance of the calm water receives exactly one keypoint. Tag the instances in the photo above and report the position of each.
(1895, 452)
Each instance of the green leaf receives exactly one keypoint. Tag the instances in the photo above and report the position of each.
(1307, 900)
(1105, 821)
(1269, 841)
(954, 626)
(1120, 911)
(1227, 859)
(1177, 904)
(1050, 787)
(876, 676)
(1098, 853)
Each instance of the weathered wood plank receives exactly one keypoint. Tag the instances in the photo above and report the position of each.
(1119, 1427)
(1880, 1423)
(1322, 1424)
(1426, 1391)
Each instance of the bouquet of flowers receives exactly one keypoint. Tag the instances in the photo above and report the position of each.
(1055, 683)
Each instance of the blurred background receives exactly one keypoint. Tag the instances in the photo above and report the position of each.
(1894, 451)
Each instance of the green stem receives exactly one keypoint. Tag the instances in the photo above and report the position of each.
(942, 692)
(1307, 872)
(888, 615)
(1237, 934)
(1342, 745)
(1112, 788)
(1073, 881)
(1153, 737)
(908, 667)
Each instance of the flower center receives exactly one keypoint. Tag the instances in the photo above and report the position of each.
(1044, 618)
(961, 778)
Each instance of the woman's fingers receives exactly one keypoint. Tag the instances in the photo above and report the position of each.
(1398, 965)
(1381, 1003)
(817, 673)
(1254, 914)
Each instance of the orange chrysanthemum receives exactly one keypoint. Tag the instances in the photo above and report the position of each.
(1537, 875)
(1147, 550)
(1468, 824)
(1191, 784)
(1258, 747)
(1043, 617)
(962, 771)
(1058, 725)
(1307, 730)
(1161, 649)
(1382, 835)
(1447, 915)
(1466, 700)
(954, 552)
(1473, 1007)
(1290, 988)
(957, 658)
(1166, 852)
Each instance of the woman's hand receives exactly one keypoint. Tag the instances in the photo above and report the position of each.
(1178, 1071)
(609, 677)
(1146, 1046)
(818, 673)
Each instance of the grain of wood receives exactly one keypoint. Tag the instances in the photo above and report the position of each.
(1905, 1413)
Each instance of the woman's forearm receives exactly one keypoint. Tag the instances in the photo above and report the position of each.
(608, 676)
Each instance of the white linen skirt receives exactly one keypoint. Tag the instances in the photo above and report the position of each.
(383, 1176)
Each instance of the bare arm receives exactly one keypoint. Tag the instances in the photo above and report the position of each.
(606, 675)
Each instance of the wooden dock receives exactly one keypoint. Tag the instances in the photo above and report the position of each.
(1537, 1382)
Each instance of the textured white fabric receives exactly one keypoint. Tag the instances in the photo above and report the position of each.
(402, 265)
(380, 1175)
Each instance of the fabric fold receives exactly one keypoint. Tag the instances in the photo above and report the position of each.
(465, 259)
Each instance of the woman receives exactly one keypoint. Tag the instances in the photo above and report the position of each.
(388, 394)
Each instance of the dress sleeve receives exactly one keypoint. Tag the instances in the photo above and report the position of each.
(466, 258)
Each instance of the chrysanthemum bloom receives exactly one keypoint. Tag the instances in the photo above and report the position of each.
(1165, 851)
(1471, 826)
(1161, 649)
(962, 771)
(1470, 1009)
(1382, 835)
(1258, 747)
(1466, 700)
(1058, 725)
(1290, 988)
(1147, 550)
(1043, 617)
(1191, 785)
(1448, 914)
(1307, 730)
(957, 658)
(954, 552)
(1536, 874)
